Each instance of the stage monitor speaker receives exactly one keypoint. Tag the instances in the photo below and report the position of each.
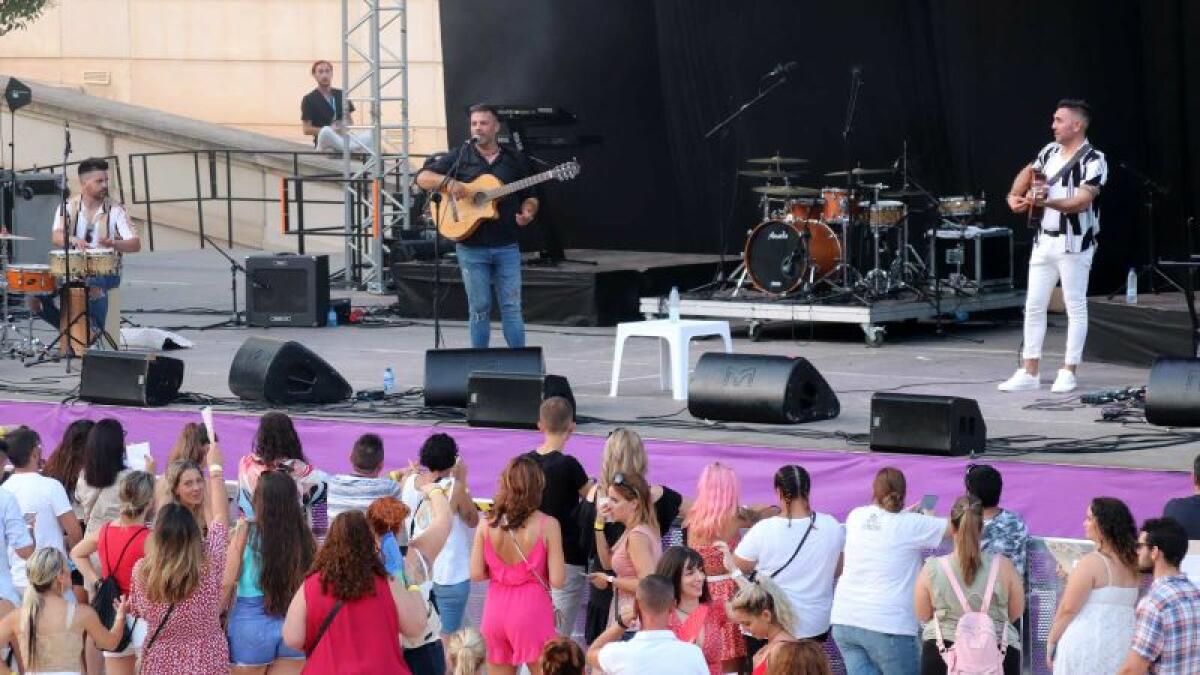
(511, 400)
(759, 388)
(928, 425)
(287, 290)
(447, 370)
(130, 378)
(35, 200)
(1173, 393)
(284, 372)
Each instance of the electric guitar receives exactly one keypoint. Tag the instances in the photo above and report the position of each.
(458, 217)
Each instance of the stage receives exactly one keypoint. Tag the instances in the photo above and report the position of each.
(1134, 335)
(1041, 432)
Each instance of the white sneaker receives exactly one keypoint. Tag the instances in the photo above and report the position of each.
(1020, 381)
(1064, 382)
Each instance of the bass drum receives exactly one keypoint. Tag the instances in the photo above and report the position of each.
(780, 256)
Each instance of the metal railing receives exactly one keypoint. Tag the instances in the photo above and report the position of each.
(114, 167)
(208, 167)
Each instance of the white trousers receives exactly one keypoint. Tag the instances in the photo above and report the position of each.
(329, 140)
(1049, 263)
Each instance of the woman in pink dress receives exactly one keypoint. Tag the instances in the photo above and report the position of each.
(177, 586)
(715, 517)
(696, 619)
(637, 551)
(520, 554)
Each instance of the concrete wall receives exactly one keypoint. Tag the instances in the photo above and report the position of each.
(239, 63)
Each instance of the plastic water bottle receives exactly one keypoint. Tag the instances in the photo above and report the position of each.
(673, 304)
(331, 318)
(389, 380)
(1131, 287)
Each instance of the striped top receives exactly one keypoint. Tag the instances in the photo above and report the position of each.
(1080, 229)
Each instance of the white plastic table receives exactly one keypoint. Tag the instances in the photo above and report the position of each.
(676, 339)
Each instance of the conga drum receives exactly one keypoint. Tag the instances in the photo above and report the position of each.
(72, 324)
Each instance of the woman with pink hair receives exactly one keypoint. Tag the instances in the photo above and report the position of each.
(716, 516)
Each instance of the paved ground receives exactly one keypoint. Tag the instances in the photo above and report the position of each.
(967, 361)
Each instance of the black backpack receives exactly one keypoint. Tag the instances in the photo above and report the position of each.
(108, 592)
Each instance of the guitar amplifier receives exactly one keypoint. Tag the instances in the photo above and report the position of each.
(287, 290)
(972, 258)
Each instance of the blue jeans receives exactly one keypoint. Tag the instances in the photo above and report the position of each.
(867, 652)
(452, 604)
(97, 307)
(482, 268)
(255, 637)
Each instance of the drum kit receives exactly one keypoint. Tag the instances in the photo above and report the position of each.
(72, 269)
(832, 241)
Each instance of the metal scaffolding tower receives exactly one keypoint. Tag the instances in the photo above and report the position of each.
(375, 36)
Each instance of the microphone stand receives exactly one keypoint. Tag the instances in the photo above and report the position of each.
(65, 307)
(719, 281)
(436, 197)
(851, 106)
(1148, 189)
(235, 319)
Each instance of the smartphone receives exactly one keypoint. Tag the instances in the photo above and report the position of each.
(927, 503)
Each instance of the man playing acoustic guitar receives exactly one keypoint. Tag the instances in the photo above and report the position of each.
(490, 256)
(1064, 181)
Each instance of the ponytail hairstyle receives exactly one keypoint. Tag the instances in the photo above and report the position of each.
(764, 595)
(717, 498)
(889, 489)
(136, 494)
(967, 518)
(42, 570)
(561, 656)
(466, 651)
(792, 482)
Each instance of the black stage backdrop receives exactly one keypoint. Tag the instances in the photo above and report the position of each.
(969, 84)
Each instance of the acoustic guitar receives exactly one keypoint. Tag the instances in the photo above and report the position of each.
(458, 218)
(1033, 218)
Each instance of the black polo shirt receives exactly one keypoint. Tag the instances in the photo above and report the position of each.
(508, 166)
(317, 110)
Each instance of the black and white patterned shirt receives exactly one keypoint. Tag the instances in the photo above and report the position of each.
(1080, 229)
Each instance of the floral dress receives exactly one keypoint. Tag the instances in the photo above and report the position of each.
(722, 588)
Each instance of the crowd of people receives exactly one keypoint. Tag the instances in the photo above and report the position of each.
(115, 570)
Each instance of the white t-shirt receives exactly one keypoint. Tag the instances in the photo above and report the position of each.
(118, 224)
(807, 580)
(667, 654)
(16, 535)
(46, 497)
(453, 563)
(883, 558)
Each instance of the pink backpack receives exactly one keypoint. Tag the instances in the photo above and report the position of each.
(974, 651)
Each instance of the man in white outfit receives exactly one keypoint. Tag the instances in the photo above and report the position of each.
(1065, 178)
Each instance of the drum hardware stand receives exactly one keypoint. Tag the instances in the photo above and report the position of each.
(856, 83)
(1152, 269)
(235, 318)
(779, 77)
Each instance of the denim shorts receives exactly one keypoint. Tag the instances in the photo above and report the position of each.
(452, 604)
(255, 637)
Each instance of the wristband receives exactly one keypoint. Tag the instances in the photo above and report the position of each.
(216, 467)
(437, 490)
(598, 525)
(415, 587)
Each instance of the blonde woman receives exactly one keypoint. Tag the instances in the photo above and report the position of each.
(183, 484)
(48, 630)
(466, 652)
(119, 545)
(762, 609)
(625, 454)
(177, 586)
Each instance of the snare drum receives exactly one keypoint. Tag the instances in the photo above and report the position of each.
(961, 206)
(838, 208)
(102, 262)
(58, 264)
(884, 213)
(29, 279)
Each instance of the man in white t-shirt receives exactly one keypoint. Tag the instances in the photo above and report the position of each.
(17, 540)
(42, 500)
(800, 549)
(98, 223)
(654, 648)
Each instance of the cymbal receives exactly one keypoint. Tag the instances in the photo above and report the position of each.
(767, 173)
(14, 237)
(786, 191)
(777, 160)
(859, 172)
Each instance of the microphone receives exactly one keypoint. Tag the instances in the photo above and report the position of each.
(473, 140)
(781, 68)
